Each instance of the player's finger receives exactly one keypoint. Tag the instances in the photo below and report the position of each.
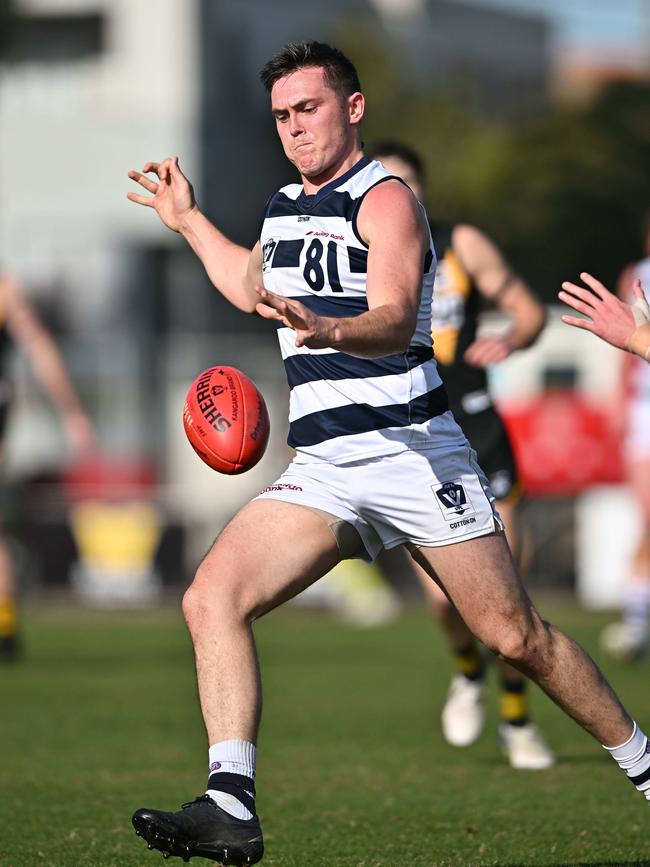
(586, 324)
(145, 182)
(296, 319)
(161, 169)
(579, 293)
(267, 312)
(269, 297)
(576, 303)
(140, 200)
(594, 284)
(151, 167)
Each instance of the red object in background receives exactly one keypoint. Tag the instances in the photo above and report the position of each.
(563, 444)
(110, 478)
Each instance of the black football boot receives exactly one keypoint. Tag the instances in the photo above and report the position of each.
(203, 829)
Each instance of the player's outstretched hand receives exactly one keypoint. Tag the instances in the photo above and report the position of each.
(315, 332)
(172, 196)
(487, 350)
(608, 317)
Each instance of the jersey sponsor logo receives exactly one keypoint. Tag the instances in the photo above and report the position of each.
(326, 235)
(456, 524)
(215, 766)
(453, 501)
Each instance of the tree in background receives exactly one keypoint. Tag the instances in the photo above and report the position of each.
(562, 192)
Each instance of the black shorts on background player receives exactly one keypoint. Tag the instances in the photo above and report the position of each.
(457, 305)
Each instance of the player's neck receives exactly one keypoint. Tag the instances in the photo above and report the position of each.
(313, 184)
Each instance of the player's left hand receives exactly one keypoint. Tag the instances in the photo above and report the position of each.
(315, 332)
(487, 350)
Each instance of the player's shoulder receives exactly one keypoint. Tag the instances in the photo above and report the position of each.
(391, 207)
(386, 191)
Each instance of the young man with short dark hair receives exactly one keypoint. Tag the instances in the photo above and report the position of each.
(380, 460)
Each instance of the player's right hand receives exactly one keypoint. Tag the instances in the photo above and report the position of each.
(173, 195)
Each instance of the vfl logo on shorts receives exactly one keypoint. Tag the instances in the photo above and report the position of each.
(453, 500)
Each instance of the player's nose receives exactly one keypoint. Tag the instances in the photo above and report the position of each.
(295, 127)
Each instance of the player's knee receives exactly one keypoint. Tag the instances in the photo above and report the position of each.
(526, 645)
(514, 645)
(196, 607)
(215, 595)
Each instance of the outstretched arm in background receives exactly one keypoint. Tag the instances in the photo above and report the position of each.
(626, 326)
(496, 281)
(30, 335)
(235, 271)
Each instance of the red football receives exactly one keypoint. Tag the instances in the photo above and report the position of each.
(226, 420)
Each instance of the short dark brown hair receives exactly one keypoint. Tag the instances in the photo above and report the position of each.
(404, 152)
(339, 72)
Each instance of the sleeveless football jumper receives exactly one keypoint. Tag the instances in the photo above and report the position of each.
(375, 444)
(343, 408)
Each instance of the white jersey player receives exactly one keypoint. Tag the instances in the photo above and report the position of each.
(628, 639)
(368, 472)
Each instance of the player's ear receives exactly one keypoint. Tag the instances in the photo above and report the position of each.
(356, 107)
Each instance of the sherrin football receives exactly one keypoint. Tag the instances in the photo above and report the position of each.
(226, 420)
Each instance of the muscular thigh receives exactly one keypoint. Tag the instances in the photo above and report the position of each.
(480, 579)
(267, 554)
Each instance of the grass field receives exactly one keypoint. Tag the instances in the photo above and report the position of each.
(101, 717)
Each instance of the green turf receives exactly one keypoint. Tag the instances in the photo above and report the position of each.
(101, 717)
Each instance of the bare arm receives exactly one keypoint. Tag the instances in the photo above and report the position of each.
(497, 282)
(29, 334)
(392, 224)
(626, 326)
(231, 268)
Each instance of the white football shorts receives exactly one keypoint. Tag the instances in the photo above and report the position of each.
(427, 497)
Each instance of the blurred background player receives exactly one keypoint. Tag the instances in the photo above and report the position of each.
(628, 638)
(20, 325)
(471, 272)
(626, 326)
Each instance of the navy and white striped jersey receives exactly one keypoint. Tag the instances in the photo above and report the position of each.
(343, 408)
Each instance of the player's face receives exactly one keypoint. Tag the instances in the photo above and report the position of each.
(398, 166)
(317, 128)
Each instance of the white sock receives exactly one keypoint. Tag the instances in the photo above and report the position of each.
(636, 611)
(634, 758)
(237, 797)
